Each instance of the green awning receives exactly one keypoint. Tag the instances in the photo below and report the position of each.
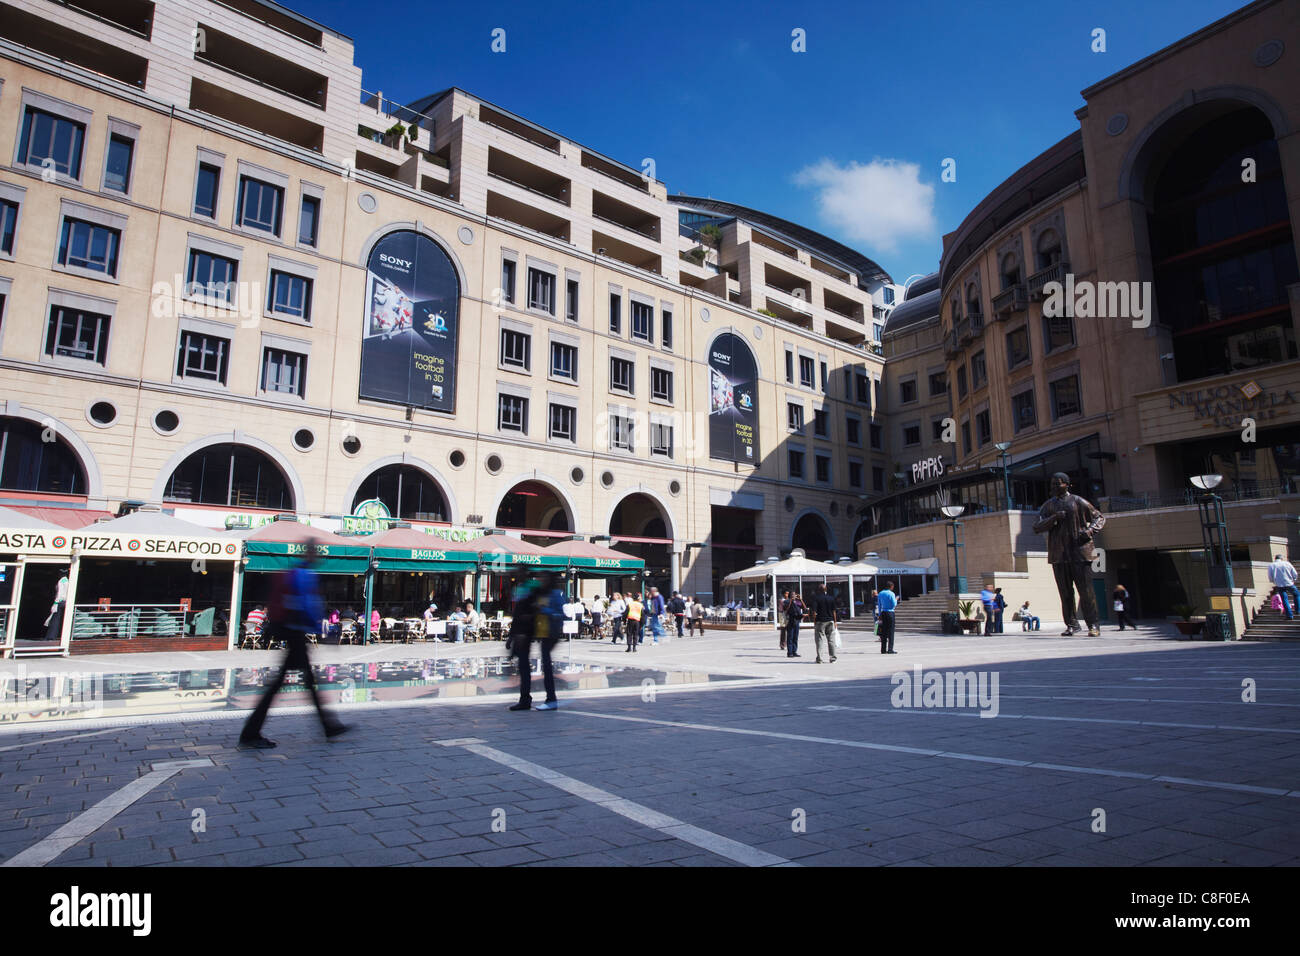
(429, 560)
(279, 555)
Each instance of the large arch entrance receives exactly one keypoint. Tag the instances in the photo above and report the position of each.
(406, 491)
(232, 476)
(813, 534)
(29, 463)
(639, 526)
(536, 509)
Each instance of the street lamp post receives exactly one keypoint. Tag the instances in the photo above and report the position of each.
(1004, 460)
(956, 583)
(1214, 538)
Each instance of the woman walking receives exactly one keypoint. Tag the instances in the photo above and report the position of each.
(617, 611)
(1122, 607)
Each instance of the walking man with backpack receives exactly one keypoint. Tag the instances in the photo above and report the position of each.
(294, 612)
(539, 616)
(677, 608)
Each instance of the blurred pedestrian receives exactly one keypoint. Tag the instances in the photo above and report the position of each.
(677, 608)
(654, 611)
(617, 611)
(538, 616)
(634, 611)
(999, 605)
(1122, 607)
(825, 617)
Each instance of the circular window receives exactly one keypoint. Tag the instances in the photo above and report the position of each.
(758, 331)
(351, 444)
(493, 464)
(577, 475)
(367, 202)
(674, 487)
(789, 503)
(166, 421)
(465, 234)
(457, 458)
(835, 508)
(704, 315)
(607, 479)
(303, 439)
(102, 414)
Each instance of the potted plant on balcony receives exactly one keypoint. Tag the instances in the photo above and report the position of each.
(1187, 627)
(968, 621)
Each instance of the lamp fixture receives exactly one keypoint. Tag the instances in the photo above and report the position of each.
(1002, 445)
(953, 511)
(1206, 482)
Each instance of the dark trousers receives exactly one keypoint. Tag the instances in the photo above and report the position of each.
(886, 631)
(1125, 619)
(997, 621)
(1072, 576)
(616, 629)
(526, 671)
(988, 620)
(54, 630)
(792, 639)
(633, 631)
(295, 659)
(678, 618)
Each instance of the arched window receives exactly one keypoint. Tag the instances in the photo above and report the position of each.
(1010, 270)
(811, 534)
(1049, 249)
(973, 300)
(407, 493)
(28, 463)
(235, 476)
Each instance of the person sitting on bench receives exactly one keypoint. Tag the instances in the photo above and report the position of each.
(1028, 622)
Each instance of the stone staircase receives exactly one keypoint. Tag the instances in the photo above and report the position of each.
(1271, 625)
(921, 613)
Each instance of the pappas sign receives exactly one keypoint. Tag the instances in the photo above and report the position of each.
(408, 349)
(926, 469)
(733, 400)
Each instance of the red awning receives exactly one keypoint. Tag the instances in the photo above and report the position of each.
(71, 518)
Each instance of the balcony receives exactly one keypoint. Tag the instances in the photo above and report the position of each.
(72, 46)
(276, 20)
(1053, 273)
(534, 134)
(256, 65)
(617, 171)
(524, 175)
(1010, 300)
(962, 329)
(951, 346)
(220, 102)
(1245, 491)
(976, 320)
(776, 245)
(610, 210)
(530, 217)
(626, 252)
(843, 307)
(133, 16)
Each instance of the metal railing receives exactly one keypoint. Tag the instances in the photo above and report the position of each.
(387, 107)
(1010, 300)
(1188, 497)
(1053, 273)
(653, 235)
(562, 200)
(133, 620)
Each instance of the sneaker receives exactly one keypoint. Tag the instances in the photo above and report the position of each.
(257, 743)
(548, 705)
(891, 652)
(522, 705)
(333, 730)
(1094, 632)
(834, 659)
(1069, 631)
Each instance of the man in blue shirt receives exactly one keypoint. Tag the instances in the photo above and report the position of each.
(987, 599)
(654, 607)
(885, 604)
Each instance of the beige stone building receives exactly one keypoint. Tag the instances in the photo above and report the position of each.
(234, 284)
(1124, 308)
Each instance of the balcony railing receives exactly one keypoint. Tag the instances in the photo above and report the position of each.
(652, 236)
(1189, 496)
(1010, 300)
(976, 320)
(1053, 273)
(139, 620)
(396, 110)
(963, 330)
(562, 200)
(950, 344)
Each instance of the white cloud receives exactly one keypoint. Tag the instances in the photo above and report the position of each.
(877, 203)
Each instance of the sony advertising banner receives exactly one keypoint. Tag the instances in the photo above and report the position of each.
(733, 400)
(408, 350)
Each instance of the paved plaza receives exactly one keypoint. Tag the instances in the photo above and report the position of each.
(1129, 749)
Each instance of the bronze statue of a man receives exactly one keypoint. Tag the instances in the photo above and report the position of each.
(1070, 523)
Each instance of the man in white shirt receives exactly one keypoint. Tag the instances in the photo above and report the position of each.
(1282, 575)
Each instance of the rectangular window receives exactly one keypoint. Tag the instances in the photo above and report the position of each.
(789, 367)
(794, 417)
(203, 357)
(978, 372)
(795, 459)
(936, 430)
(541, 291)
(615, 314)
(1058, 332)
(877, 478)
(821, 423)
(661, 384)
(508, 280)
(938, 383)
(853, 431)
(622, 375)
(823, 465)
(864, 389)
(876, 437)
(965, 438)
(53, 138)
(75, 334)
(889, 294)
(516, 349)
(825, 377)
(512, 413)
(205, 190)
(621, 432)
(284, 372)
(212, 275)
(911, 435)
(1065, 397)
(290, 295)
(1023, 413)
(8, 226)
(661, 439)
(961, 381)
(666, 328)
(571, 300)
(562, 424)
(309, 220)
(807, 372)
(564, 361)
(643, 321)
(983, 428)
(117, 167)
(877, 331)
(907, 391)
(85, 245)
(1017, 347)
(260, 206)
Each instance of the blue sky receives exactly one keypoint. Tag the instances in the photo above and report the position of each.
(847, 138)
